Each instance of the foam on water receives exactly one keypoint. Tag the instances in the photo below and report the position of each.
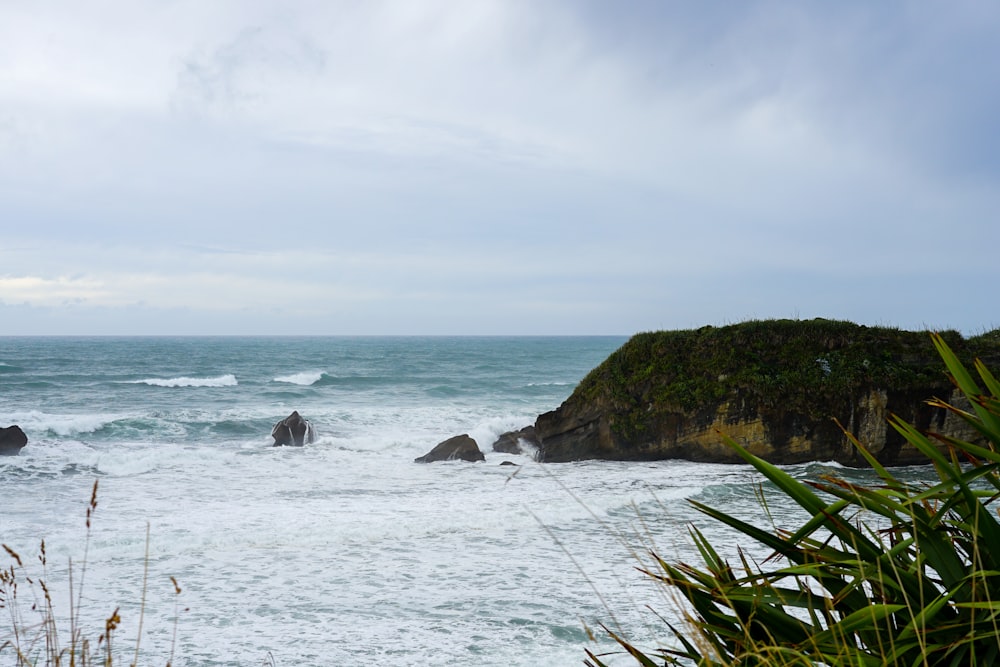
(35, 421)
(343, 551)
(305, 379)
(221, 381)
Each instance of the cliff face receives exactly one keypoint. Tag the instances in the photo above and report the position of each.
(775, 386)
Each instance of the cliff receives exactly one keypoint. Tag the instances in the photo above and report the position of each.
(776, 386)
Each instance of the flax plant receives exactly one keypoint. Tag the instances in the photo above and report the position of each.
(885, 574)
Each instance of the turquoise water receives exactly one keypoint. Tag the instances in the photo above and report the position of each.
(344, 551)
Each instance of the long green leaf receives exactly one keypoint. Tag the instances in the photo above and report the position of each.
(965, 382)
(805, 497)
(793, 488)
(992, 385)
(879, 469)
(840, 587)
(927, 614)
(972, 420)
(860, 620)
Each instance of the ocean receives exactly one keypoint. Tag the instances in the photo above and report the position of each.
(345, 551)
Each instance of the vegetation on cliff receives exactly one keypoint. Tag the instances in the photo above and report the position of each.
(887, 574)
(811, 368)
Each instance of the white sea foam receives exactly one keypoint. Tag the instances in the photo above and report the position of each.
(221, 381)
(269, 543)
(137, 459)
(304, 379)
(36, 421)
(490, 430)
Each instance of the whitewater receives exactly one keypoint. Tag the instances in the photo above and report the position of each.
(345, 551)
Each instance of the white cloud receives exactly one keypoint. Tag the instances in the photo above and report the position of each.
(393, 159)
(39, 291)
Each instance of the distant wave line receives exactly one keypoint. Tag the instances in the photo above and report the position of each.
(220, 381)
(303, 379)
(64, 425)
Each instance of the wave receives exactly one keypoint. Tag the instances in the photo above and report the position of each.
(303, 379)
(61, 425)
(221, 381)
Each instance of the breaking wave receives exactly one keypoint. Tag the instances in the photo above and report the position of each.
(303, 379)
(221, 381)
(64, 425)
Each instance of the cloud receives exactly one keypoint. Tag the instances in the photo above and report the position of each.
(39, 291)
(570, 164)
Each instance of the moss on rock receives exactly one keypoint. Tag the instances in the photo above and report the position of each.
(790, 374)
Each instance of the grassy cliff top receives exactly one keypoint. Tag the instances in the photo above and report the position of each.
(792, 365)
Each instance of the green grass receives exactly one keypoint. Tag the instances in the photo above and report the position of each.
(891, 573)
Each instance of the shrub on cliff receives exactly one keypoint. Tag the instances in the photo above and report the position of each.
(801, 366)
(887, 574)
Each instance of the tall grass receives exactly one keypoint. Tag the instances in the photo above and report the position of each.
(35, 634)
(885, 574)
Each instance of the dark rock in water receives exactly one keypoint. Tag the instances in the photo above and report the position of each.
(460, 447)
(517, 442)
(507, 463)
(778, 387)
(293, 431)
(12, 439)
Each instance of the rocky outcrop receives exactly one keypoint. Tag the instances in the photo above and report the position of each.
(12, 439)
(460, 447)
(523, 441)
(293, 431)
(779, 388)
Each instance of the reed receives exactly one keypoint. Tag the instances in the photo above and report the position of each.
(889, 573)
(32, 633)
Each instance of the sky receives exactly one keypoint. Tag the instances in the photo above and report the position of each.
(496, 167)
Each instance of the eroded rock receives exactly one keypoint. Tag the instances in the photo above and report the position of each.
(12, 439)
(523, 441)
(461, 447)
(293, 431)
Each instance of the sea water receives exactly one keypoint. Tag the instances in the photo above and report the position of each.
(345, 551)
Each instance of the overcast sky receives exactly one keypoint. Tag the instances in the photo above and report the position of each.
(496, 167)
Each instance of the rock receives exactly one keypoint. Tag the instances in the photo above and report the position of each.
(507, 463)
(776, 387)
(12, 439)
(293, 430)
(517, 442)
(460, 447)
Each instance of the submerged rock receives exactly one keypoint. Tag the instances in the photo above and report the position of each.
(12, 439)
(459, 447)
(778, 387)
(293, 431)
